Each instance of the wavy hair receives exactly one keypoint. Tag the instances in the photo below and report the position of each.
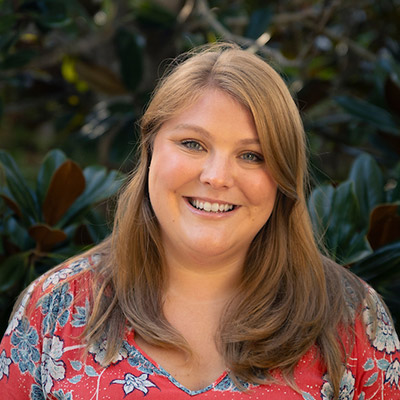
(290, 297)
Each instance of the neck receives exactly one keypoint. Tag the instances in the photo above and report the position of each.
(202, 282)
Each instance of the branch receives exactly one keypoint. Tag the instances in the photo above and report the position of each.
(255, 45)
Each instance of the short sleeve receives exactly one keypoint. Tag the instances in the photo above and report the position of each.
(375, 359)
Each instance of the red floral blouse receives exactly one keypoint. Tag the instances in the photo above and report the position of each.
(41, 356)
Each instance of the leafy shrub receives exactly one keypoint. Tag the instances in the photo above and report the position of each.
(359, 221)
(41, 227)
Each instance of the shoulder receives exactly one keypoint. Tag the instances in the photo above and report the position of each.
(50, 297)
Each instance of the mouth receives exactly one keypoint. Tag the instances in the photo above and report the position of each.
(211, 207)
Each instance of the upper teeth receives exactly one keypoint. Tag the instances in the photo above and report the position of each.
(214, 207)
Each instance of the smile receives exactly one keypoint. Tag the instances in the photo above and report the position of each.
(211, 207)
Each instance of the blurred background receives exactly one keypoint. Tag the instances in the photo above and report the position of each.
(75, 77)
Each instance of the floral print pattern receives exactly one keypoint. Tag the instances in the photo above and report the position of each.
(43, 358)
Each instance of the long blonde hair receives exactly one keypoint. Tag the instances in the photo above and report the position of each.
(290, 297)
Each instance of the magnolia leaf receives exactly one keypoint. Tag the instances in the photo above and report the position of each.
(368, 184)
(384, 225)
(66, 185)
(46, 237)
(12, 204)
(51, 162)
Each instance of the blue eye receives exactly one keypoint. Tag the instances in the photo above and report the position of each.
(252, 157)
(192, 145)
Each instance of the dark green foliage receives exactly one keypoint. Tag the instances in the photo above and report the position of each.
(41, 227)
(360, 224)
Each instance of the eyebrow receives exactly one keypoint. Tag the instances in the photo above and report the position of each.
(207, 134)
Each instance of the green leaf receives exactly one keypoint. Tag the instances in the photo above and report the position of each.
(381, 265)
(6, 23)
(335, 215)
(66, 185)
(17, 60)
(151, 13)
(343, 233)
(17, 234)
(51, 162)
(369, 113)
(130, 56)
(100, 185)
(368, 183)
(259, 22)
(54, 14)
(21, 192)
(12, 271)
(320, 205)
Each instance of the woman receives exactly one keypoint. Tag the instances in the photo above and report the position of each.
(211, 284)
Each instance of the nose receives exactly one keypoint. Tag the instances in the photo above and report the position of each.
(217, 172)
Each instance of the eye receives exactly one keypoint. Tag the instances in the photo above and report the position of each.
(252, 157)
(192, 145)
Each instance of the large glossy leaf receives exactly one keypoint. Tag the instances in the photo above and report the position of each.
(51, 162)
(16, 234)
(335, 215)
(66, 185)
(382, 265)
(368, 184)
(21, 192)
(12, 271)
(100, 185)
(130, 57)
(384, 225)
(46, 237)
(320, 208)
(53, 14)
(369, 113)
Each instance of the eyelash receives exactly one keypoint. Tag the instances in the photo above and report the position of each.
(196, 146)
(256, 158)
(192, 145)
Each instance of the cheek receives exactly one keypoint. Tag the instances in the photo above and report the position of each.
(261, 190)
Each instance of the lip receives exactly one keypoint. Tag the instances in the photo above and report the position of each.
(207, 213)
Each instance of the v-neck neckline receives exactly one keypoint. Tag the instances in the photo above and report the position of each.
(164, 372)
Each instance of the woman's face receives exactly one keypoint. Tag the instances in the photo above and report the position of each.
(208, 182)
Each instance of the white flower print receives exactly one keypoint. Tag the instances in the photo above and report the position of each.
(99, 348)
(4, 364)
(346, 391)
(392, 373)
(385, 337)
(52, 367)
(21, 310)
(132, 382)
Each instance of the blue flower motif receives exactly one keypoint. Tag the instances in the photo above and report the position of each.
(24, 353)
(60, 395)
(137, 360)
(4, 364)
(392, 373)
(80, 317)
(55, 308)
(346, 391)
(227, 384)
(99, 349)
(132, 382)
(37, 393)
(385, 337)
